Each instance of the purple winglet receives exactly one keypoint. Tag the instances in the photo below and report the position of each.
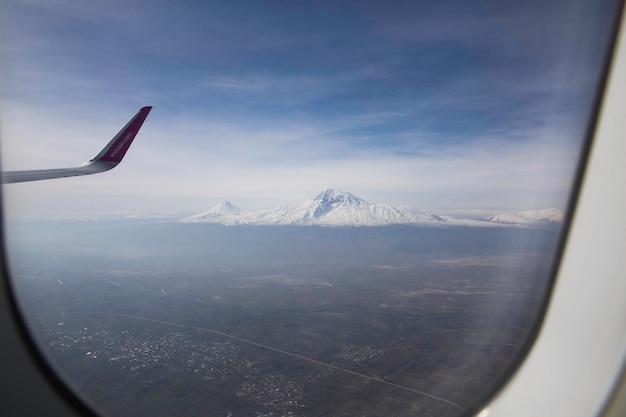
(118, 146)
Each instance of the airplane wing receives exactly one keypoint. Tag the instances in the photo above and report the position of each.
(107, 159)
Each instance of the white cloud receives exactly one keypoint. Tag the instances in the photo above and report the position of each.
(188, 164)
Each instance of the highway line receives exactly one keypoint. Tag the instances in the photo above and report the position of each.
(284, 352)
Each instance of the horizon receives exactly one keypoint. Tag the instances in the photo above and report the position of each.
(348, 193)
(246, 211)
(411, 104)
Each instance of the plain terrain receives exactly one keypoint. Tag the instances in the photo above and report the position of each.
(158, 318)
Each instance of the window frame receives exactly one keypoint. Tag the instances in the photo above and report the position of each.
(539, 383)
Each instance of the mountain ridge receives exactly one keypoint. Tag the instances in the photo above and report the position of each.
(529, 217)
(337, 208)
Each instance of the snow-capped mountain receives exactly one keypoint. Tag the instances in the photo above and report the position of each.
(216, 214)
(338, 208)
(329, 208)
(529, 217)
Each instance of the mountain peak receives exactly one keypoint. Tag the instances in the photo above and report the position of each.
(222, 210)
(225, 207)
(332, 199)
(332, 195)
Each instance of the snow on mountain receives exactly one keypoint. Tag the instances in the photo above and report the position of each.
(529, 217)
(329, 208)
(338, 208)
(218, 214)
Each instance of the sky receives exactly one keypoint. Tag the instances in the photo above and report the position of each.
(452, 107)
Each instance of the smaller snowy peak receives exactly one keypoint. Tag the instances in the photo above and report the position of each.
(529, 217)
(219, 213)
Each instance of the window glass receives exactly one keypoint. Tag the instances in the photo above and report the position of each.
(346, 208)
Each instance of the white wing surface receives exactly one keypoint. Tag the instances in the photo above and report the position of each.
(107, 159)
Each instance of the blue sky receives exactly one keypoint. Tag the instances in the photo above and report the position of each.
(451, 107)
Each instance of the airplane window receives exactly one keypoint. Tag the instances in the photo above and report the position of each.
(344, 208)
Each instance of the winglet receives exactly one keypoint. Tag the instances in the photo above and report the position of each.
(117, 147)
(107, 159)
